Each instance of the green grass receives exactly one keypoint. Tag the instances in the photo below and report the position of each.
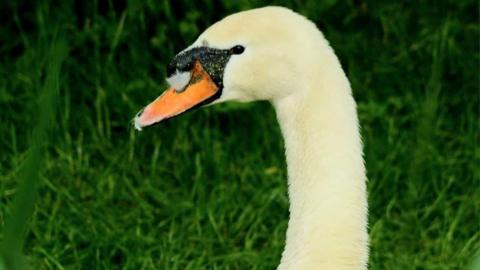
(208, 189)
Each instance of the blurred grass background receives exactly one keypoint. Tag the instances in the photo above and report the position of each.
(208, 190)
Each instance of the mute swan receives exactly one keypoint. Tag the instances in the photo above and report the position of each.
(277, 55)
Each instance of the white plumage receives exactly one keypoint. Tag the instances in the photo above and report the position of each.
(179, 80)
(288, 61)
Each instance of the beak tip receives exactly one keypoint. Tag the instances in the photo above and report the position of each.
(137, 125)
(136, 121)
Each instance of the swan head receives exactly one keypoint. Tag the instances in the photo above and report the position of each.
(259, 54)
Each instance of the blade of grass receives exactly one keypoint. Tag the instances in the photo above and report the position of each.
(116, 37)
(28, 179)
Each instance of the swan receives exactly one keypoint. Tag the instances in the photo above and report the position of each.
(275, 54)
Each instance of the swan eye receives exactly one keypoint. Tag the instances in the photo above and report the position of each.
(237, 49)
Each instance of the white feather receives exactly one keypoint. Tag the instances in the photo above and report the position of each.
(179, 80)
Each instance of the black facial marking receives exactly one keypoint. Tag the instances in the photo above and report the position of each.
(171, 69)
(212, 60)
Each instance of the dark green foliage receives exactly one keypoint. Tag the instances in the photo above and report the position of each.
(208, 189)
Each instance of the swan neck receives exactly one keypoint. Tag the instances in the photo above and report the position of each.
(326, 178)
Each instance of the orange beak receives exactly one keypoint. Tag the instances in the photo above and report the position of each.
(171, 103)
